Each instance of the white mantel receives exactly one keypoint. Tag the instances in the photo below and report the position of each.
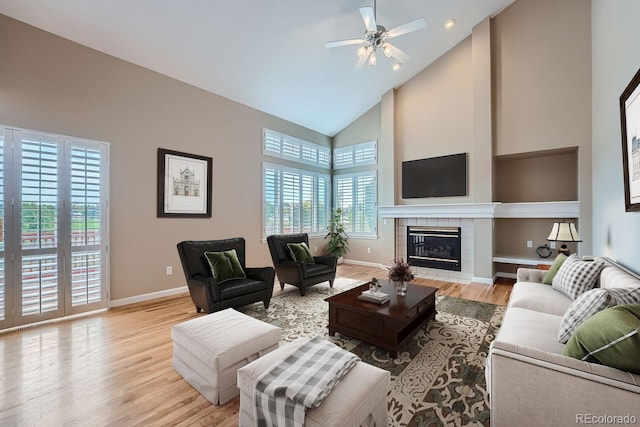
(569, 209)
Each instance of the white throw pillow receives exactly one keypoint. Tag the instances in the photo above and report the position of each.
(591, 302)
(576, 277)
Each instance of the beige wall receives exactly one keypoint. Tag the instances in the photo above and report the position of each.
(434, 115)
(365, 128)
(542, 79)
(53, 85)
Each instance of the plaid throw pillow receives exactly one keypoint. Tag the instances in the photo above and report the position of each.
(576, 277)
(591, 302)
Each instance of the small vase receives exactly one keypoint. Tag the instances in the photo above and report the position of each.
(401, 287)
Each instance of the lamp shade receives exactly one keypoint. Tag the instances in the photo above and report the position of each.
(564, 232)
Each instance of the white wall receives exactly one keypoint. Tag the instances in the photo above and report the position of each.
(616, 58)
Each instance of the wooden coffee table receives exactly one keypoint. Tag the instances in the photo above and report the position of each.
(389, 325)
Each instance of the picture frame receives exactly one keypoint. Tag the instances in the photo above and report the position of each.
(630, 121)
(184, 184)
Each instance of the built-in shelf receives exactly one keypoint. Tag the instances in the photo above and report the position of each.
(521, 260)
(538, 210)
(570, 209)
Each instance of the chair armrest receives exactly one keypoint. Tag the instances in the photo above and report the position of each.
(265, 274)
(530, 275)
(206, 284)
(329, 260)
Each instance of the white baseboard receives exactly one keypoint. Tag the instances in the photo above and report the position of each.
(50, 321)
(147, 297)
(365, 263)
(484, 280)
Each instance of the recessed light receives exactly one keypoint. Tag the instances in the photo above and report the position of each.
(396, 67)
(449, 23)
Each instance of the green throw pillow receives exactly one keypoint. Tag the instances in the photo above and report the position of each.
(548, 278)
(238, 272)
(300, 252)
(225, 265)
(610, 337)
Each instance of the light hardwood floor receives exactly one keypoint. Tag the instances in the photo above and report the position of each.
(114, 368)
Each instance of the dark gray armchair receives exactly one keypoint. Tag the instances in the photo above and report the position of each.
(297, 273)
(209, 295)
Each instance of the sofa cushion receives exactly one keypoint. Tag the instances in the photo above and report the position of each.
(551, 273)
(610, 337)
(539, 297)
(591, 302)
(614, 277)
(576, 277)
(530, 328)
(300, 252)
(225, 265)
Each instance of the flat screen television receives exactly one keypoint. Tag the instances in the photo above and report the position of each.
(443, 176)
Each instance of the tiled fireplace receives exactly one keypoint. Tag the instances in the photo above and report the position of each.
(460, 271)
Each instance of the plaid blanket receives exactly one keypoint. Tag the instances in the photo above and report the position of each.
(301, 381)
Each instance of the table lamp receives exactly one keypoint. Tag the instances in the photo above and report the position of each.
(564, 231)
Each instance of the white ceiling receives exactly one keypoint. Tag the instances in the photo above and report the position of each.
(267, 54)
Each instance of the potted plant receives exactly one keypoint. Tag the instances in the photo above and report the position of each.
(338, 239)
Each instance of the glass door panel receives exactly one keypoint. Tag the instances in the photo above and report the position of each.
(39, 260)
(86, 228)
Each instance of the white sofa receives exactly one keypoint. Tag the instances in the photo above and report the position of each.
(530, 381)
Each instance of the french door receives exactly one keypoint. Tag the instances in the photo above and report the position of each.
(54, 222)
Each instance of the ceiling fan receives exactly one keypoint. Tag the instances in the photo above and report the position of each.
(376, 36)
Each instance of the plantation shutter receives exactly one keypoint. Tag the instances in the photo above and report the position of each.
(344, 199)
(39, 267)
(272, 201)
(53, 226)
(86, 226)
(355, 155)
(365, 217)
(3, 289)
(294, 200)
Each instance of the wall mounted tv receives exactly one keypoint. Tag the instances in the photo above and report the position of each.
(443, 176)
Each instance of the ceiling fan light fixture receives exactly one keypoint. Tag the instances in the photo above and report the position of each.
(386, 49)
(376, 36)
(372, 58)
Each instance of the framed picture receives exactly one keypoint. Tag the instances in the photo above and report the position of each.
(630, 119)
(184, 185)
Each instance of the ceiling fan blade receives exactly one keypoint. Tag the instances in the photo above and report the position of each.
(363, 58)
(369, 19)
(415, 25)
(344, 42)
(396, 53)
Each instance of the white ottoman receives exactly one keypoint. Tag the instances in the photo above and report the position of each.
(208, 351)
(359, 400)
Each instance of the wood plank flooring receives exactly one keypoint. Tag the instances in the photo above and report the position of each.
(114, 368)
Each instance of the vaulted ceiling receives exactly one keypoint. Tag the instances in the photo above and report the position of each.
(269, 55)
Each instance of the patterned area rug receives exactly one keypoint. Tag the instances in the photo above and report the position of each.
(438, 377)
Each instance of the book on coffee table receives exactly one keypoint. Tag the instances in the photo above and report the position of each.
(378, 298)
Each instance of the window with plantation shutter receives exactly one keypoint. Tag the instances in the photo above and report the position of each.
(3, 290)
(54, 241)
(355, 155)
(356, 194)
(86, 225)
(295, 200)
(287, 147)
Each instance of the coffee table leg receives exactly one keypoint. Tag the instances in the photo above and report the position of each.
(332, 333)
(393, 354)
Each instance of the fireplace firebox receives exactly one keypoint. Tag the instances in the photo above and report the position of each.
(434, 247)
